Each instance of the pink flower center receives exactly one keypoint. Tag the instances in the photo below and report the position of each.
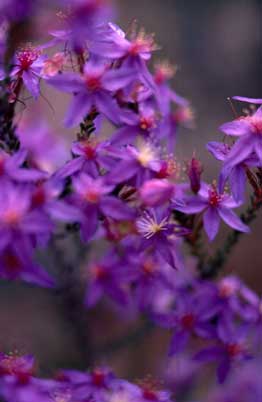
(98, 378)
(27, 57)
(149, 394)
(16, 365)
(256, 124)
(147, 122)
(234, 349)
(93, 83)
(225, 290)
(39, 197)
(188, 321)
(11, 217)
(90, 151)
(92, 196)
(99, 272)
(214, 198)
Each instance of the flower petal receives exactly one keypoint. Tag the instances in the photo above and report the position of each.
(211, 222)
(232, 220)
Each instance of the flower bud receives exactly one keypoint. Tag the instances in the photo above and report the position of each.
(156, 192)
(194, 171)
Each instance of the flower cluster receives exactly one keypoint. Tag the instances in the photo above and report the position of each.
(121, 186)
(18, 382)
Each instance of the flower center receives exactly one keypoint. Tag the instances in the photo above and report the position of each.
(27, 57)
(150, 394)
(11, 217)
(147, 122)
(148, 225)
(93, 83)
(92, 196)
(234, 349)
(142, 44)
(256, 124)
(188, 321)
(89, 150)
(214, 198)
(146, 154)
(38, 197)
(98, 378)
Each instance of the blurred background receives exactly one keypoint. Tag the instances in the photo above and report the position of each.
(217, 46)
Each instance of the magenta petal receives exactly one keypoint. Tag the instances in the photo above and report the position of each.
(80, 107)
(27, 175)
(248, 100)
(211, 222)
(31, 82)
(116, 209)
(235, 128)
(191, 205)
(240, 151)
(89, 224)
(108, 106)
(165, 249)
(66, 82)
(218, 149)
(125, 135)
(123, 171)
(232, 220)
(237, 181)
(258, 149)
(64, 212)
(118, 78)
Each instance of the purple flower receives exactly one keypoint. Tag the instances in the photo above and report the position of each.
(28, 68)
(143, 124)
(164, 94)
(93, 198)
(161, 235)
(138, 163)
(192, 316)
(11, 168)
(235, 173)
(215, 206)
(16, 263)
(17, 220)
(107, 277)
(156, 192)
(45, 198)
(90, 156)
(231, 350)
(134, 52)
(21, 367)
(194, 171)
(249, 129)
(45, 150)
(93, 89)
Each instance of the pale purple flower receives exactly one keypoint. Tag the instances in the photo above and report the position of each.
(93, 198)
(191, 316)
(215, 206)
(159, 233)
(232, 348)
(93, 89)
(249, 129)
(28, 66)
